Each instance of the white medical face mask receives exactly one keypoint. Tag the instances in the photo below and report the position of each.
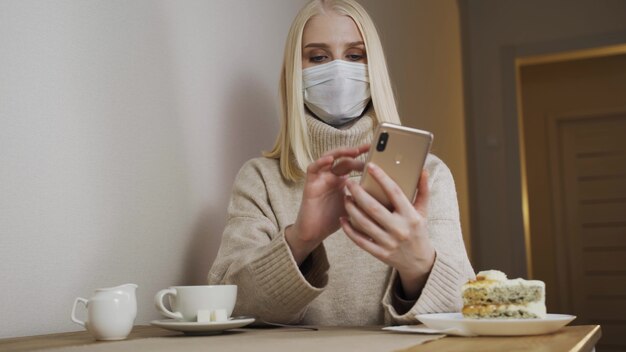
(336, 92)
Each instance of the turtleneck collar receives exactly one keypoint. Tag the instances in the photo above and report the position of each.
(324, 137)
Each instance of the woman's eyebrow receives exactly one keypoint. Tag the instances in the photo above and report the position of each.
(324, 45)
(359, 43)
(316, 45)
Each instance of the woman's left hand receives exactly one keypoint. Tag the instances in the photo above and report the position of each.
(398, 237)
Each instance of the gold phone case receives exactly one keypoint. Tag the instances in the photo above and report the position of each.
(401, 154)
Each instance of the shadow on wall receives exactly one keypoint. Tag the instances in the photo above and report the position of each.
(252, 124)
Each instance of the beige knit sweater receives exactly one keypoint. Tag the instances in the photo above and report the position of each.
(339, 283)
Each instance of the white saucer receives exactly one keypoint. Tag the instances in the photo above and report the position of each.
(496, 327)
(195, 328)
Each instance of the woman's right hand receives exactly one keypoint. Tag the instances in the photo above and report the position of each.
(322, 200)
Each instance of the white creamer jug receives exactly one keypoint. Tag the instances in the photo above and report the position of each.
(111, 312)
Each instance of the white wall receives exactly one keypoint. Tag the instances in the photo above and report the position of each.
(122, 125)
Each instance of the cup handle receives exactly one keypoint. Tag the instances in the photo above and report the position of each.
(158, 301)
(74, 319)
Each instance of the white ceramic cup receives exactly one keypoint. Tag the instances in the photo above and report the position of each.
(186, 301)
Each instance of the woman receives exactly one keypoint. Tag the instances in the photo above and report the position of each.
(288, 244)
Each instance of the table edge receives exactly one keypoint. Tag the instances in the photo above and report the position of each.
(590, 340)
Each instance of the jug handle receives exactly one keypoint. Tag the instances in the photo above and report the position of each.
(158, 301)
(74, 319)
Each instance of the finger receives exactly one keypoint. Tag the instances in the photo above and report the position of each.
(364, 224)
(347, 152)
(362, 240)
(363, 148)
(372, 207)
(394, 193)
(423, 194)
(319, 164)
(344, 166)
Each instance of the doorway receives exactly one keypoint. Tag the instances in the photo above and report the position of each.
(573, 161)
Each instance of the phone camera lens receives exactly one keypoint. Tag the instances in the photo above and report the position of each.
(382, 141)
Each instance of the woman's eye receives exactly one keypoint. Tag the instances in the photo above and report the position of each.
(355, 57)
(318, 58)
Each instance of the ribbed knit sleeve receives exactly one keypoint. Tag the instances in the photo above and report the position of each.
(255, 256)
(451, 269)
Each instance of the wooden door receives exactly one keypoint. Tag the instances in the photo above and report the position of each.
(574, 145)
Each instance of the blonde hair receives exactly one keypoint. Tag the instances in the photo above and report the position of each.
(292, 144)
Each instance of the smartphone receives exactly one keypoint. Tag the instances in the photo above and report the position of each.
(401, 152)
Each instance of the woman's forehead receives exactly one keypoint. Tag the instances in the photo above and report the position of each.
(332, 29)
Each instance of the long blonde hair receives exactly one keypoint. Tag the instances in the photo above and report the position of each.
(292, 144)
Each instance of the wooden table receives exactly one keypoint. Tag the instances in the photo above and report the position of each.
(362, 339)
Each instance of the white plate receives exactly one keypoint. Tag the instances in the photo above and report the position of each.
(496, 327)
(194, 328)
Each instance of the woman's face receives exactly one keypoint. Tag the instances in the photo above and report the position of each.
(330, 37)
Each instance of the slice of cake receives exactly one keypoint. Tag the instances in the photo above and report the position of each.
(491, 295)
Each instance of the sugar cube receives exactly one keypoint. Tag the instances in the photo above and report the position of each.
(204, 316)
(219, 315)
